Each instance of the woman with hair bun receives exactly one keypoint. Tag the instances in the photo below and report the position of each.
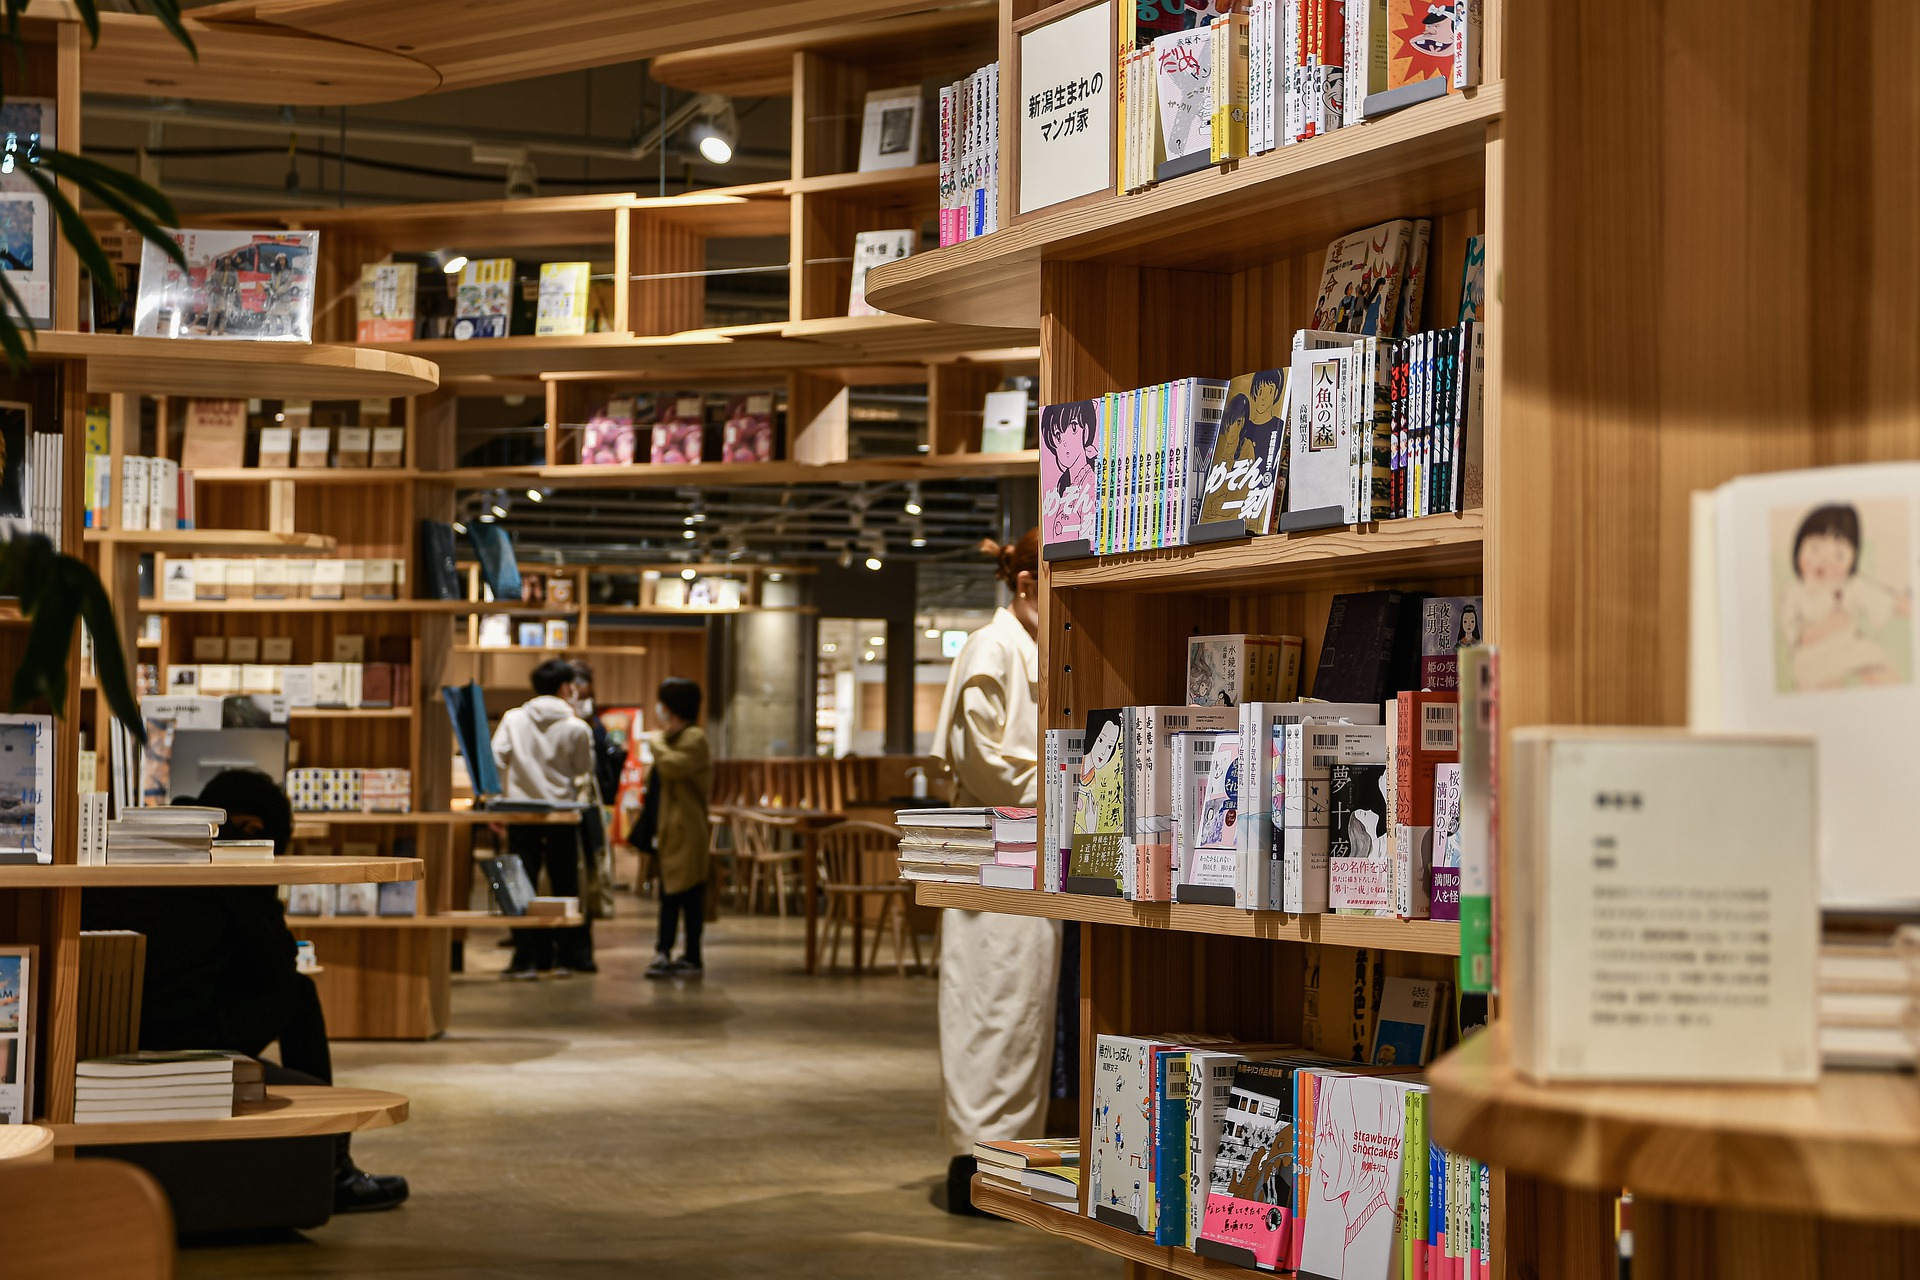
(998, 973)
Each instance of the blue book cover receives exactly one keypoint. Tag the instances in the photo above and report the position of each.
(1170, 1148)
(493, 546)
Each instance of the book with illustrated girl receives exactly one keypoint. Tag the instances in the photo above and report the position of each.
(1802, 623)
(1100, 843)
(1069, 481)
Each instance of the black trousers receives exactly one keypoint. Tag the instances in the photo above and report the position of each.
(295, 1019)
(558, 850)
(690, 903)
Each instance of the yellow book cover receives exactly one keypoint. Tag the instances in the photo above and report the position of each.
(563, 299)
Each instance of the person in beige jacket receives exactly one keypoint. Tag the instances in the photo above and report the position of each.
(682, 781)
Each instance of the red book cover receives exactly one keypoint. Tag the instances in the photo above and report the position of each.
(1428, 734)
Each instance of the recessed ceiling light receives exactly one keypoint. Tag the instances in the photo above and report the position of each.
(829, 648)
(455, 265)
(873, 562)
(876, 640)
(916, 542)
(689, 574)
(867, 656)
(688, 534)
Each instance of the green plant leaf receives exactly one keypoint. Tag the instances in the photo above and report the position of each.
(109, 663)
(10, 340)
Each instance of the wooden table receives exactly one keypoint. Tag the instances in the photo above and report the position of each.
(808, 824)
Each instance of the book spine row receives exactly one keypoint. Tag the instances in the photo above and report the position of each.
(970, 156)
(1154, 447)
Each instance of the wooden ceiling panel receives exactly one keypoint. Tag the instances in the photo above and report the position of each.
(240, 62)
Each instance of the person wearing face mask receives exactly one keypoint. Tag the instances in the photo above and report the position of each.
(679, 788)
(545, 753)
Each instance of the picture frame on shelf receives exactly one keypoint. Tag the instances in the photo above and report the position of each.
(890, 129)
(1062, 154)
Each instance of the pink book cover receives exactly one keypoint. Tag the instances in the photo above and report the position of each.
(1069, 488)
(677, 433)
(748, 434)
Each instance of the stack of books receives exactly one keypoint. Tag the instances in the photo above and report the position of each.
(178, 1084)
(172, 834)
(1042, 1169)
(242, 852)
(998, 848)
(1866, 999)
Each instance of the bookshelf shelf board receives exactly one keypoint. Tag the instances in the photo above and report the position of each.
(235, 370)
(26, 1143)
(443, 920)
(917, 47)
(439, 818)
(952, 466)
(324, 869)
(252, 541)
(1432, 546)
(1295, 199)
(1847, 1147)
(308, 475)
(605, 650)
(1426, 936)
(290, 1111)
(349, 713)
(919, 179)
(1098, 1235)
(349, 606)
(646, 611)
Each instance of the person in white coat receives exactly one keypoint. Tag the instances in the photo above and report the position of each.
(998, 973)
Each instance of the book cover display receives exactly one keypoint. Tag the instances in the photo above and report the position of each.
(1248, 476)
(1069, 484)
(236, 285)
(679, 432)
(483, 299)
(562, 306)
(747, 435)
(1100, 843)
(608, 440)
(872, 249)
(1448, 624)
(890, 131)
(27, 127)
(1003, 422)
(18, 1018)
(1250, 1184)
(1352, 1205)
(26, 788)
(1226, 671)
(386, 309)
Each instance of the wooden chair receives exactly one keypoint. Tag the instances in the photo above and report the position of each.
(722, 855)
(766, 843)
(83, 1220)
(852, 853)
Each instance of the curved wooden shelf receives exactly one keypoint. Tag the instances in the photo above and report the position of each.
(254, 541)
(951, 466)
(1432, 546)
(1426, 158)
(308, 475)
(917, 47)
(238, 370)
(438, 818)
(291, 869)
(350, 713)
(290, 1111)
(1109, 1240)
(350, 606)
(443, 920)
(919, 179)
(1847, 1147)
(1426, 936)
(25, 1144)
(136, 56)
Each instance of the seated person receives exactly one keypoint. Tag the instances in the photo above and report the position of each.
(220, 969)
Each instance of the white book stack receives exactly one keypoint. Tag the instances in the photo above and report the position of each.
(241, 852)
(173, 835)
(1866, 999)
(945, 845)
(184, 1084)
(45, 465)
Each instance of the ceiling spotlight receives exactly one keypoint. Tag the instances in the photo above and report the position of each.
(873, 562)
(688, 534)
(534, 495)
(776, 577)
(279, 417)
(829, 648)
(931, 633)
(916, 542)
(455, 265)
(867, 656)
(486, 519)
(846, 557)
(499, 511)
(458, 527)
(689, 574)
(716, 130)
(686, 519)
(913, 499)
(876, 640)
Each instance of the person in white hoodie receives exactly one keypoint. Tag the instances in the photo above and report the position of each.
(545, 753)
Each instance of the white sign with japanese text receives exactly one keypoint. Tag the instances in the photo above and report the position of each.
(1066, 108)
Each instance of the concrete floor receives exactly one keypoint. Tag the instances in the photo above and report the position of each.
(758, 1122)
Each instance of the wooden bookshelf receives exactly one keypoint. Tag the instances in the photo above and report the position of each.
(163, 366)
(445, 607)
(1286, 202)
(438, 920)
(259, 542)
(288, 869)
(309, 475)
(959, 466)
(912, 48)
(441, 818)
(1848, 1147)
(1433, 546)
(1428, 937)
(1137, 1251)
(290, 1111)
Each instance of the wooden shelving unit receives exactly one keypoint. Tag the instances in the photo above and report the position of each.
(444, 818)
(289, 869)
(447, 608)
(1139, 1252)
(290, 1111)
(255, 542)
(911, 48)
(1422, 936)
(441, 920)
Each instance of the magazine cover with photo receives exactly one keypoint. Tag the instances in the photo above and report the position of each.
(610, 436)
(26, 247)
(748, 433)
(1843, 593)
(26, 787)
(16, 1034)
(678, 433)
(252, 285)
(1069, 487)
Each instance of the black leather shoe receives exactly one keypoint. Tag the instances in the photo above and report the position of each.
(960, 1171)
(357, 1192)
